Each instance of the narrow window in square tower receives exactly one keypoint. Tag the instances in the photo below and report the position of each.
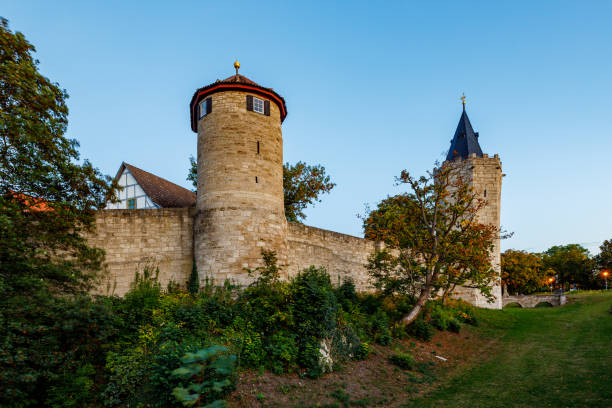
(485, 193)
(257, 147)
(256, 180)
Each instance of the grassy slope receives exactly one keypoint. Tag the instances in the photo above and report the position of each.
(554, 357)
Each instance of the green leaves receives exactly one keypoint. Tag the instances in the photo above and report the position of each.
(434, 236)
(302, 185)
(47, 199)
(210, 373)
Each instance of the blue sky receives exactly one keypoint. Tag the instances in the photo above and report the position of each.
(371, 87)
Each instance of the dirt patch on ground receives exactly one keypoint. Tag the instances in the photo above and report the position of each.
(368, 383)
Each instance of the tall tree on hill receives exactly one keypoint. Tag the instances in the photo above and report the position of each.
(302, 186)
(522, 272)
(47, 199)
(434, 237)
(572, 263)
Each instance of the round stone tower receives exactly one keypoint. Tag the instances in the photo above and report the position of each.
(239, 208)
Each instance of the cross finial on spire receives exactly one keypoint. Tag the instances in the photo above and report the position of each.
(237, 66)
(463, 100)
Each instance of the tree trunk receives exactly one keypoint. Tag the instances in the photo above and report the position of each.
(414, 313)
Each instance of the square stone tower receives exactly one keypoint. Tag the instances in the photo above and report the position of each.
(484, 173)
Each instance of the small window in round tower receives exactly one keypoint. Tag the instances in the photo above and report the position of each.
(258, 105)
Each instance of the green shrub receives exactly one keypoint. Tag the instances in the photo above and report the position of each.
(463, 311)
(216, 305)
(282, 350)
(210, 376)
(314, 303)
(347, 295)
(398, 331)
(380, 328)
(193, 284)
(345, 344)
(48, 346)
(440, 317)
(308, 356)
(421, 330)
(142, 298)
(161, 381)
(454, 325)
(127, 372)
(265, 302)
(363, 351)
(404, 361)
(73, 388)
(370, 303)
(252, 353)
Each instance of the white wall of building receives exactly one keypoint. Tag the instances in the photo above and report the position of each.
(131, 190)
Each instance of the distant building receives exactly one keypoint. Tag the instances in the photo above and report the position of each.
(143, 190)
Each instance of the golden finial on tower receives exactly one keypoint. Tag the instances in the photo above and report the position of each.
(237, 66)
(462, 99)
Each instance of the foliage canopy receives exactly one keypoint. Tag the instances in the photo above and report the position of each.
(47, 199)
(435, 239)
(571, 263)
(522, 272)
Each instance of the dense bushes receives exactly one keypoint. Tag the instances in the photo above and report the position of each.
(111, 351)
(50, 348)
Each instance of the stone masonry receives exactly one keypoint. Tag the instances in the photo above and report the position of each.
(485, 176)
(134, 239)
(240, 208)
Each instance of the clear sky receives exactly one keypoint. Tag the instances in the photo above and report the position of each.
(371, 88)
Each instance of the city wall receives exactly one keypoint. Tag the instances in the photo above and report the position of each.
(342, 255)
(135, 239)
(163, 238)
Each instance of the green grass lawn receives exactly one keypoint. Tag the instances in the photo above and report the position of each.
(548, 357)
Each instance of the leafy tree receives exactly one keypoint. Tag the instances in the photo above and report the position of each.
(434, 237)
(604, 258)
(522, 272)
(47, 204)
(302, 185)
(193, 172)
(571, 263)
(47, 199)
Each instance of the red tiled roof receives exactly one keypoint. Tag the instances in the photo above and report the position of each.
(235, 82)
(163, 192)
(34, 204)
(234, 79)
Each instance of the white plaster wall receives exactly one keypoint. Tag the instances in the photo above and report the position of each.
(131, 189)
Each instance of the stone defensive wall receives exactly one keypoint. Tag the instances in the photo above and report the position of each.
(163, 238)
(135, 239)
(342, 255)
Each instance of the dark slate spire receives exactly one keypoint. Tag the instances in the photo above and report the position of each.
(465, 141)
